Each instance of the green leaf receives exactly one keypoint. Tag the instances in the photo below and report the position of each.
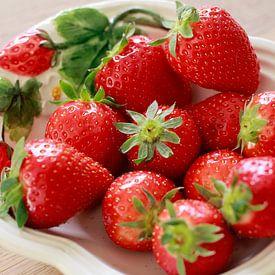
(172, 123)
(166, 238)
(139, 206)
(31, 87)
(8, 184)
(99, 95)
(173, 44)
(68, 90)
(219, 185)
(170, 195)
(137, 224)
(127, 128)
(164, 150)
(142, 153)
(150, 197)
(159, 41)
(21, 214)
(7, 93)
(180, 266)
(168, 136)
(186, 30)
(170, 208)
(18, 157)
(129, 144)
(85, 95)
(76, 60)
(152, 110)
(80, 24)
(167, 112)
(137, 117)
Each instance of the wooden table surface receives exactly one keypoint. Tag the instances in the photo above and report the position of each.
(256, 16)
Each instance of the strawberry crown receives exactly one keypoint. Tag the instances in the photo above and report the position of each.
(149, 216)
(11, 190)
(187, 15)
(20, 104)
(185, 241)
(251, 125)
(234, 201)
(150, 132)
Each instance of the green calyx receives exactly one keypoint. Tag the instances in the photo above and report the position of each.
(186, 15)
(150, 214)
(234, 201)
(184, 241)
(20, 105)
(11, 191)
(150, 132)
(251, 125)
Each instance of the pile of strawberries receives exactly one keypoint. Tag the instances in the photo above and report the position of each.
(190, 178)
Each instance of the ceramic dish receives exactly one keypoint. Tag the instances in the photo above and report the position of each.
(81, 245)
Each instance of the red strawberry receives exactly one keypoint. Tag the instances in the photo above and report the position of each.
(92, 132)
(257, 133)
(140, 74)
(248, 201)
(209, 48)
(5, 155)
(216, 164)
(131, 206)
(25, 55)
(192, 238)
(151, 134)
(50, 182)
(218, 119)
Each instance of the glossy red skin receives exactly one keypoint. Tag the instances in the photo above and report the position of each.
(184, 153)
(219, 56)
(89, 127)
(265, 145)
(194, 213)
(218, 119)
(25, 56)
(258, 173)
(118, 207)
(141, 74)
(5, 156)
(58, 181)
(215, 164)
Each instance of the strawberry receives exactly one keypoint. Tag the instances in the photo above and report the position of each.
(93, 131)
(192, 238)
(149, 135)
(50, 182)
(210, 49)
(216, 164)
(218, 119)
(25, 55)
(246, 199)
(131, 207)
(5, 155)
(257, 133)
(138, 74)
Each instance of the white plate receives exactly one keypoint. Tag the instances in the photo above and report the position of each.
(81, 246)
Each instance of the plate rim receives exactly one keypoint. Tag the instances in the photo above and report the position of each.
(68, 256)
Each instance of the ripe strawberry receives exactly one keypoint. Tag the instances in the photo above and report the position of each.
(151, 134)
(25, 55)
(93, 131)
(257, 133)
(248, 201)
(5, 155)
(139, 74)
(192, 238)
(218, 119)
(50, 182)
(216, 164)
(131, 207)
(209, 48)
